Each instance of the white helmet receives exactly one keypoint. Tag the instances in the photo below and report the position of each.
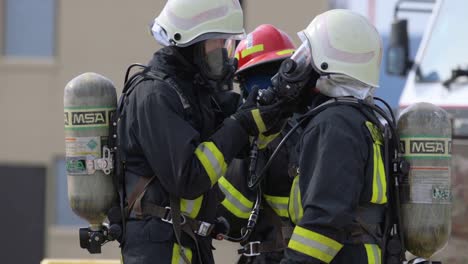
(185, 22)
(343, 42)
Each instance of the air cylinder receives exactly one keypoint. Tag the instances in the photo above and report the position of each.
(426, 134)
(90, 101)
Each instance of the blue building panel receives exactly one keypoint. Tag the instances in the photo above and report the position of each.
(29, 28)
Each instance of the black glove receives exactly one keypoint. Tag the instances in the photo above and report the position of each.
(260, 119)
(221, 228)
(228, 102)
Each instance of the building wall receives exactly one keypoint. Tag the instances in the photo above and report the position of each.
(99, 36)
(290, 16)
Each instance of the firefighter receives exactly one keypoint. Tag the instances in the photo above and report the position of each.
(173, 145)
(260, 56)
(338, 197)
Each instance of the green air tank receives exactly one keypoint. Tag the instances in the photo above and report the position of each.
(426, 133)
(90, 101)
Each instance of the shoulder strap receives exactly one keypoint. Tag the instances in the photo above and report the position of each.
(291, 145)
(148, 74)
(157, 75)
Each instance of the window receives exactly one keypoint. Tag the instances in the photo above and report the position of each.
(446, 48)
(29, 28)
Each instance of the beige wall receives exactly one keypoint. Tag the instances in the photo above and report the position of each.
(291, 16)
(104, 37)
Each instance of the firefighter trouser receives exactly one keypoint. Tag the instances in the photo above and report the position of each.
(151, 241)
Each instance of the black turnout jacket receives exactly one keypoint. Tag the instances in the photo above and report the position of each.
(186, 148)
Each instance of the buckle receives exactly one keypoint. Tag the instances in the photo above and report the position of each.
(168, 217)
(204, 229)
(250, 249)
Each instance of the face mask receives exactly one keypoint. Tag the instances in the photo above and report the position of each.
(294, 75)
(214, 58)
(215, 63)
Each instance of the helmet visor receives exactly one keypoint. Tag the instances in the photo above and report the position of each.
(303, 56)
(216, 53)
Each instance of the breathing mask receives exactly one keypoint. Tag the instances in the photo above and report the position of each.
(216, 62)
(295, 74)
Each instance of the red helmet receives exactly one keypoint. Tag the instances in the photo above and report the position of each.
(263, 45)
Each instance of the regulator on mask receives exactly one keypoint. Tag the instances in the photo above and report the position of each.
(294, 75)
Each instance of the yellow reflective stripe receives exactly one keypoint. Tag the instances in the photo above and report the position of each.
(234, 200)
(212, 160)
(375, 132)
(314, 244)
(295, 204)
(375, 185)
(284, 52)
(191, 207)
(298, 202)
(258, 120)
(379, 180)
(373, 254)
(177, 258)
(252, 50)
(263, 140)
(279, 204)
(236, 56)
(382, 176)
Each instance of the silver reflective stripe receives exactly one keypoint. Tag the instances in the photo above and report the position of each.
(314, 244)
(375, 250)
(373, 254)
(378, 176)
(211, 157)
(189, 205)
(379, 184)
(278, 206)
(233, 200)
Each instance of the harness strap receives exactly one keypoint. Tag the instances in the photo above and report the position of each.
(180, 224)
(165, 214)
(164, 77)
(287, 232)
(176, 226)
(368, 231)
(170, 215)
(134, 199)
(283, 234)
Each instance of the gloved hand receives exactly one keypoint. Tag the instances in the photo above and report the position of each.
(221, 228)
(260, 119)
